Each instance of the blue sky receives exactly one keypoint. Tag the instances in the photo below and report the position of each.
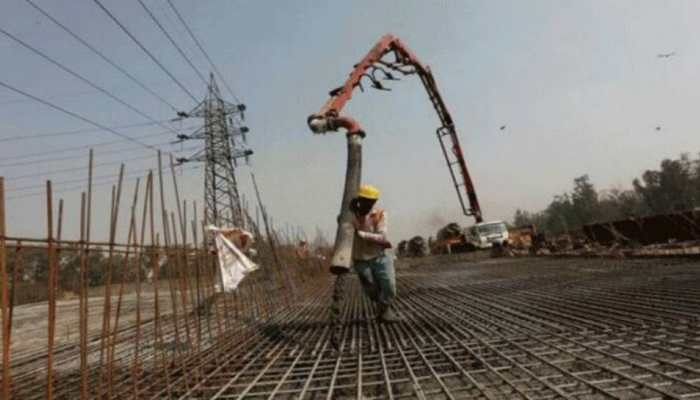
(578, 85)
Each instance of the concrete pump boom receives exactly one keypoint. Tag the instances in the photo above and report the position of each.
(329, 119)
(406, 63)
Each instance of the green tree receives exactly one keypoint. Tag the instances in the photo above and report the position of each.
(675, 186)
(36, 265)
(584, 201)
(523, 218)
(96, 267)
(560, 215)
(69, 275)
(671, 188)
(619, 204)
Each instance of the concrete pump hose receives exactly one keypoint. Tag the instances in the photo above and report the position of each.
(345, 235)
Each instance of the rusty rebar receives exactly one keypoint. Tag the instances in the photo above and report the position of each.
(85, 225)
(137, 342)
(155, 267)
(172, 260)
(107, 309)
(131, 238)
(84, 252)
(51, 291)
(6, 318)
(269, 234)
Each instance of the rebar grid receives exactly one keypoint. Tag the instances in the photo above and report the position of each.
(146, 310)
(514, 329)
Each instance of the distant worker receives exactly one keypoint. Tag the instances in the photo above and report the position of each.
(374, 265)
(302, 250)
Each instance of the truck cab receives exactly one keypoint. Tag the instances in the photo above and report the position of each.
(484, 234)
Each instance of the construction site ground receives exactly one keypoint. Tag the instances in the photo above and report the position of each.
(527, 328)
(473, 327)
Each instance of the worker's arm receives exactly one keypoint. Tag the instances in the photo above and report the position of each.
(380, 237)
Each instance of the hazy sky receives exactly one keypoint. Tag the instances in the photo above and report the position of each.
(578, 84)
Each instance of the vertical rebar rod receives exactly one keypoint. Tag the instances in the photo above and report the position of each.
(6, 368)
(257, 215)
(105, 303)
(137, 345)
(197, 261)
(183, 257)
(177, 198)
(211, 278)
(84, 264)
(179, 276)
(187, 267)
(181, 265)
(131, 240)
(83, 300)
(17, 266)
(55, 270)
(171, 260)
(155, 265)
(107, 312)
(286, 280)
(198, 271)
(51, 290)
(59, 229)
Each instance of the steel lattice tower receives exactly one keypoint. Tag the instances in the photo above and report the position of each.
(224, 138)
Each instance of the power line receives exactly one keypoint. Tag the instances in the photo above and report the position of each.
(39, 186)
(174, 26)
(138, 43)
(66, 158)
(79, 131)
(73, 169)
(201, 48)
(72, 94)
(78, 76)
(74, 180)
(74, 115)
(82, 147)
(82, 187)
(101, 55)
(172, 41)
(63, 95)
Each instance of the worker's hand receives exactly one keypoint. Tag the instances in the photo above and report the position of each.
(374, 237)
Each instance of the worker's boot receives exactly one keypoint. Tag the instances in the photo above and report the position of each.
(386, 315)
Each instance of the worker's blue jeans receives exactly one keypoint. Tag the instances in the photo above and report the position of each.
(378, 278)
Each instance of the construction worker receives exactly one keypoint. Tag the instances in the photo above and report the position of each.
(374, 265)
(302, 251)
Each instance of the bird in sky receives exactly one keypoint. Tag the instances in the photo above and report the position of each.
(666, 55)
(503, 127)
(658, 128)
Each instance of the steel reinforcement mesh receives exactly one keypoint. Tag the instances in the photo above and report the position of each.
(499, 329)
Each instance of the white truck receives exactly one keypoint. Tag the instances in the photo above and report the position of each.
(484, 234)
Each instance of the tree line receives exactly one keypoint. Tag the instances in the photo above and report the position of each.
(674, 186)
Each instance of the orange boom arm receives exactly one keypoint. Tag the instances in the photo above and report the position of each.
(404, 63)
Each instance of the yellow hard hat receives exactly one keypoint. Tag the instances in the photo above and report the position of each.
(368, 192)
